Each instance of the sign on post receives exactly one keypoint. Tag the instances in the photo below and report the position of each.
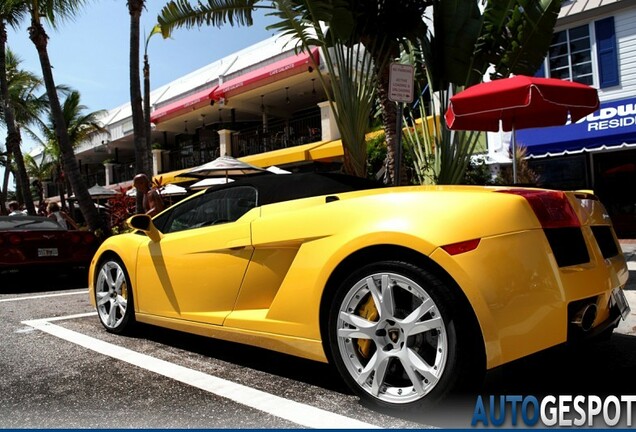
(401, 83)
(401, 91)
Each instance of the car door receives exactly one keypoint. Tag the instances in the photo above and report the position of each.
(195, 271)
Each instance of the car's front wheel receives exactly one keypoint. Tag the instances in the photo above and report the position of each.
(113, 296)
(395, 336)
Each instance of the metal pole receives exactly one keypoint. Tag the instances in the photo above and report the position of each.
(514, 155)
(398, 145)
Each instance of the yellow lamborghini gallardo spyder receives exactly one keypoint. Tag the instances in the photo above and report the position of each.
(411, 292)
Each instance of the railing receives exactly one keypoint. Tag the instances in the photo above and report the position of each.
(123, 172)
(94, 178)
(188, 157)
(278, 135)
(194, 150)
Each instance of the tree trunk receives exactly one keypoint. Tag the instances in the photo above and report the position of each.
(142, 153)
(147, 126)
(71, 168)
(40, 188)
(5, 185)
(389, 120)
(61, 188)
(13, 133)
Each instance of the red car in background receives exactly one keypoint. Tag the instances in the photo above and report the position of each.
(29, 242)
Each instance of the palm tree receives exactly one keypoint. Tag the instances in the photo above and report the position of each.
(351, 88)
(51, 11)
(387, 25)
(80, 126)
(147, 127)
(11, 14)
(39, 172)
(142, 145)
(512, 37)
(27, 106)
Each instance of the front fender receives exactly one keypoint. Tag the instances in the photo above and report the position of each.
(124, 246)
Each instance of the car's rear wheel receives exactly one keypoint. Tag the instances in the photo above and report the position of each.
(395, 336)
(113, 296)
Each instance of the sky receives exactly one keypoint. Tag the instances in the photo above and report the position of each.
(91, 53)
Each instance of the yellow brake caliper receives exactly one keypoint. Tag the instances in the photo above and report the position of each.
(124, 290)
(368, 311)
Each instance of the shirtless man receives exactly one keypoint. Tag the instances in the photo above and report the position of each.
(153, 204)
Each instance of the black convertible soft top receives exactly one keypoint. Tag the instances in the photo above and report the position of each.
(273, 188)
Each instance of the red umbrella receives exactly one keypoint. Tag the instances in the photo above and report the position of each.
(520, 102)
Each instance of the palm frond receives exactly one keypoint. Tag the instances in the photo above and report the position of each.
(351, 87)
(54, 11)
(13, 12)
(516, 35)
(181, 13)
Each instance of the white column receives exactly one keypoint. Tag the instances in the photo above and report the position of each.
(45, 189)
(328, 123)
(225, 142)
(157, 161)
(108, 168)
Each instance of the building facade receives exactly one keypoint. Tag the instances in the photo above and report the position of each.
(262, 99)
(594, 43)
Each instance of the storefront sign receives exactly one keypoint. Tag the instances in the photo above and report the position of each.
(613, 124)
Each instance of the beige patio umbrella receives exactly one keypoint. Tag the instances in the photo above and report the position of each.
(212, 181)
(223, 166)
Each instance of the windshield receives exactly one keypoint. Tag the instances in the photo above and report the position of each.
(30, 223)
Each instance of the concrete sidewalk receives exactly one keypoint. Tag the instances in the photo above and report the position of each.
(629, 250)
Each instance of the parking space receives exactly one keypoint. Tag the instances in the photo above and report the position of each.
(62, 369)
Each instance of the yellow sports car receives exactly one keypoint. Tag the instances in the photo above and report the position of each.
(412, 292)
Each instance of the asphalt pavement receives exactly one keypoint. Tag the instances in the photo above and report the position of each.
(79, 376)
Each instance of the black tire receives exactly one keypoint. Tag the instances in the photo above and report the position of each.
(397, 335)
(114, 297)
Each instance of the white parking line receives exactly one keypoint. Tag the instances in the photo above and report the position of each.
(301, 414)
(43, 296)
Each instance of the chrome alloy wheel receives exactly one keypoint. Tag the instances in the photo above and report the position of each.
(392, 338)
(111, 294)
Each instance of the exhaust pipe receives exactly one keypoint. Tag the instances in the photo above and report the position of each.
(584, 318)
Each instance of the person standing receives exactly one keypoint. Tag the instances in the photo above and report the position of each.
(14, 209)
(59, 216)
(153, 204)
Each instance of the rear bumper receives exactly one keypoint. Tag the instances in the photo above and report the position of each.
(522, 298)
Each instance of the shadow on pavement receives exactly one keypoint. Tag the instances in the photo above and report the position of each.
(42, 281)
(282, 365)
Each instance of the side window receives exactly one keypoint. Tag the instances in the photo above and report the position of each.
(570, 55)
(220, 206)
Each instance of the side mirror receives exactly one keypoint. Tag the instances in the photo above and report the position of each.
(144, 223)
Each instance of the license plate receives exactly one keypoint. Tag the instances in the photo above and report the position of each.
(620, 301)
(47, 252)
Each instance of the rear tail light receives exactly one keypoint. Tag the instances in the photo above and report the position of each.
(461, 247)
(73, 237)
(79, 237)
(552, 208)
(88, 238)
(15, 239)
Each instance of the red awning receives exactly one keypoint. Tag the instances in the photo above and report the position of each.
(188, 103)
(276, 71)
